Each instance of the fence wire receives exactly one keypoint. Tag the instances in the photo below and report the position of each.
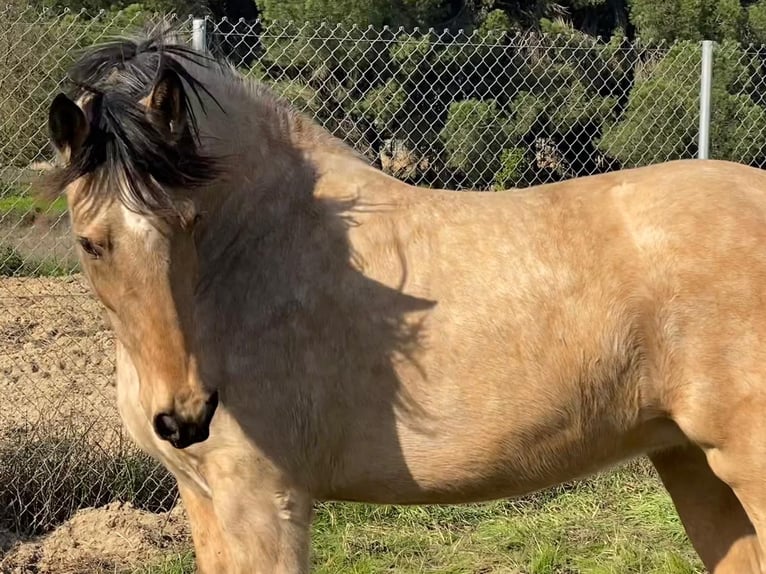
(482, 110)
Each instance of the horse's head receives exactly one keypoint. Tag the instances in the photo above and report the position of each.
(128, 162)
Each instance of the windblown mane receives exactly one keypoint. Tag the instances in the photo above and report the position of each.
(126, 152)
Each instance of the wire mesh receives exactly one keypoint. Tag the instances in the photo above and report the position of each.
(62, 446)
(481, 110)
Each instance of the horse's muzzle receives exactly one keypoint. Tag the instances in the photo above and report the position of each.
(182, 433)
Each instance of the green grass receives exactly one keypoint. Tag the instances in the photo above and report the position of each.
(14, 264)
(16, 206)
(178, 564)
(621, 521)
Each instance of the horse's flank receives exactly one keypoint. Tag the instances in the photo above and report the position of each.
(378, 342)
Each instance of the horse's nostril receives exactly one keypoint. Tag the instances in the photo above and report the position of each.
(167, 427)
(182, 433)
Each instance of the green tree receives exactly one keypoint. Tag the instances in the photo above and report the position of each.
(376, 13)
(688, 19)
(474, 136)
(756, 22)
(663, 111)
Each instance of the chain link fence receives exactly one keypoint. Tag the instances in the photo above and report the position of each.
(485, 110)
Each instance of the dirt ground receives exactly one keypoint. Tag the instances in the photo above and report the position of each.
(57, 369)
(56, 358)
(110, 539)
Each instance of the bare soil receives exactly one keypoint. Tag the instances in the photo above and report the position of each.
(113, 538)
(56, 358)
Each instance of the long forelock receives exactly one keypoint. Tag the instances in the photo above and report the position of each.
(129, 158)
(125, 152)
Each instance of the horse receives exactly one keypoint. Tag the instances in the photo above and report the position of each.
(294, 325)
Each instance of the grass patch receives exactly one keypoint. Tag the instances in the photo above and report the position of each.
(14, 264)
(179, 564)
(45, 479)
(17, 206)
(620, 521)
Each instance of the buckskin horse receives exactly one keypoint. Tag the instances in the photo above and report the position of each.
(294, 325)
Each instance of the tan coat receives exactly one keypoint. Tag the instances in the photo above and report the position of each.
(372, 341)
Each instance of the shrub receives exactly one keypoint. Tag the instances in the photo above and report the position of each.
(661, 122)
(662, 114)
(11, 261)
(474, 136)
(514, 164)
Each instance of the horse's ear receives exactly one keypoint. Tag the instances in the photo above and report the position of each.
(67, 126)
(166, 103)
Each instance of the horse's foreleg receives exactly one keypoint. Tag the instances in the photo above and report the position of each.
(267, 527)
(713, 518)
(210, 546)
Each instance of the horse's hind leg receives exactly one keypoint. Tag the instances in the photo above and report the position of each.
(740, 461)
(714, 519)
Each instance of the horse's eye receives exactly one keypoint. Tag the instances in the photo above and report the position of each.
(89, 247)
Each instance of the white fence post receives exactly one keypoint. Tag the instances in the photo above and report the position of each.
(706, 83)
(199, 35)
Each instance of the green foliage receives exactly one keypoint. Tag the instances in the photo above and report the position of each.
(474, 136)
(662, 118)
(756, 22)
(663, 111)
(385, 106)
(513, 165)
(495, 26)
(688, 19)
(361, 12)
(93, 7)
(11, 262)
(735, 117)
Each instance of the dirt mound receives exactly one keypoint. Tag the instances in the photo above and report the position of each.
(107, 539)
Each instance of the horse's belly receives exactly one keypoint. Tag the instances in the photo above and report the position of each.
(525, 459)
(482, 450)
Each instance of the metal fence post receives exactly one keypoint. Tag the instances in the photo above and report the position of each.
(706, 83)
(199, 34)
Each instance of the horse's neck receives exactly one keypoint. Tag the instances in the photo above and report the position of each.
(272, 184)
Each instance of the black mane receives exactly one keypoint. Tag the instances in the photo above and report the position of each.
(126, 152)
